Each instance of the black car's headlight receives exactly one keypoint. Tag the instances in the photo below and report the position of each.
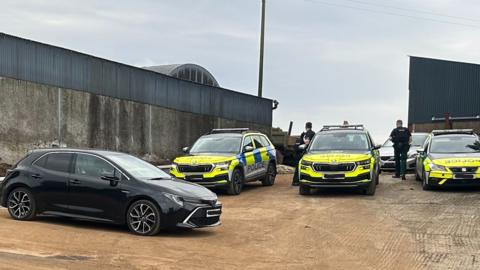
(412, 155)
(174, 198)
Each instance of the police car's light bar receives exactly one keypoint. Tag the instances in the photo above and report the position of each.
(229, 130)
(452, 131)
(330, 127)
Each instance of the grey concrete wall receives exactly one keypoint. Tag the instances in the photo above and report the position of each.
(35, 115)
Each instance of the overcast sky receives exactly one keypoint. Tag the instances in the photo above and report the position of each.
(326, 60)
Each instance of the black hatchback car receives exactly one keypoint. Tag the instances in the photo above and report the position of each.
(108, 187)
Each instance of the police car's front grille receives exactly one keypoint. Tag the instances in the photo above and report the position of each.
(194, 168)
(341, 167)
(463, 169)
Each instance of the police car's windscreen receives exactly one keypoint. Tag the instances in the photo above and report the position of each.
(340, 141)
(217, 144)
(418, 139)
(455, 144)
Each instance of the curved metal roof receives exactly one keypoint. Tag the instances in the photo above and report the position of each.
(189, 72)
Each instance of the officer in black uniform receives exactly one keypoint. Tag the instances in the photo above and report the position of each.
(401, 139)
(305, 138)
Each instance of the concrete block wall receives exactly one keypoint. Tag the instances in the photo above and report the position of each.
(35, 115)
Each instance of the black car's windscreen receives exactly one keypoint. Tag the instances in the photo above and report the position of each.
(340, 141)
(217, 144)
(418, 139)
(388, 143)
(138, 168)
(455, 144)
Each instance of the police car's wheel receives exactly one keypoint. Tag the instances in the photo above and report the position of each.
(269, 179)
(304, 190)
(425, 186)
(236, 183)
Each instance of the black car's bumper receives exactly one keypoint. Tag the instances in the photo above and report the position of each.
(193, 216)
(389, 165)
(360, 181)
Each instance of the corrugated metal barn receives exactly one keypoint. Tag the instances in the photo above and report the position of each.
(442, 89)
(50, 94)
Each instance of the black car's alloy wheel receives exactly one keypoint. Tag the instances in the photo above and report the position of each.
(21, 204)
(269, 179)
(143, 218)
(236, 183)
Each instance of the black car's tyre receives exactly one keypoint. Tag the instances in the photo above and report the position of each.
(372, 187)
(417, 177)
(21, 204)
(304, 190)
(236, 183)
(143, 218)
(269, 179)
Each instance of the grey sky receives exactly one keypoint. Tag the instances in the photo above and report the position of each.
(326, 60)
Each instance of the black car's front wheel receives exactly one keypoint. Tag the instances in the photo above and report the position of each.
(21, 204)
(143, 218)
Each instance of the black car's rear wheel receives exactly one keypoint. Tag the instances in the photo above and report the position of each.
(143, 218)
(236, 183)
(269, 179)
(21, 204)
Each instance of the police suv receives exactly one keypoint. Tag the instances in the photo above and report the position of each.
(340, 157)
(228, 158)
(449, 158)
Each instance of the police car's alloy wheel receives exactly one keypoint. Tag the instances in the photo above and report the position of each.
(269, 179)
(21, 204)
(236, 183)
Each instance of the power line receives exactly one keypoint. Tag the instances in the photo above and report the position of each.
(393, 14)
(414, 10)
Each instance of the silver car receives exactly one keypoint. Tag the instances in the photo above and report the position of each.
(387, 158)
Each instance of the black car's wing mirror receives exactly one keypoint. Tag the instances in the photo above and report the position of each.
(377, 146)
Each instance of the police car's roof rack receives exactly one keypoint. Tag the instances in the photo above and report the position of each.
(337, 127)
(452, 131)
(229, 130)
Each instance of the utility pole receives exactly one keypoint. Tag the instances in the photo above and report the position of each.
(262, 38)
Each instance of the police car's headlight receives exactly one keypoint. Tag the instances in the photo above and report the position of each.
(223, 165)
(365, 164)
(174, 166)
(305, 164)
(435, 167)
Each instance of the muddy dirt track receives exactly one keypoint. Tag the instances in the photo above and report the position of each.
(401, 227)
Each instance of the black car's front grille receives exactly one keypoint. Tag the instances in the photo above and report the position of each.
(194, 168)
(342, 167)
(385, 158)
(464, 169)
(206, 216)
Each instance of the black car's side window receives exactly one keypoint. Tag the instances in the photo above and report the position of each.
(59, 162)
(89, 165)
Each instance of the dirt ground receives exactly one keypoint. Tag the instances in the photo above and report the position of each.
(401, 227)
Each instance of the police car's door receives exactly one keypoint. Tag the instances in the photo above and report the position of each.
(248, 159)
(261, 156)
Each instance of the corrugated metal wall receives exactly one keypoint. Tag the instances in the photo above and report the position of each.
(41, 63)
(438, 87)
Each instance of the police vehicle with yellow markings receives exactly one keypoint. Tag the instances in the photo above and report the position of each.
(340, 157)
(228, 158)
(449, 158)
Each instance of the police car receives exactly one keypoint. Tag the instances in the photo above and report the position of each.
(340, 157)
(228, 158)
(449, 158)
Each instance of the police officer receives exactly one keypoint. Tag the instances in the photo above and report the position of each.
(305, 138)
(401, 139)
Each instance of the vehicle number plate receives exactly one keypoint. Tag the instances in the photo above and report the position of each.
(463, 176)
(334, 176)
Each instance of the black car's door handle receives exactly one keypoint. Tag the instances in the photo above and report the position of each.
(75, 182)
(36, 176)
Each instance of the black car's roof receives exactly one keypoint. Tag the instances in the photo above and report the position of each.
(90, 151)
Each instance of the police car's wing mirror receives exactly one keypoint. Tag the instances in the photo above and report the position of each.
(186, 149)
(248, 148)
(302, 147)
